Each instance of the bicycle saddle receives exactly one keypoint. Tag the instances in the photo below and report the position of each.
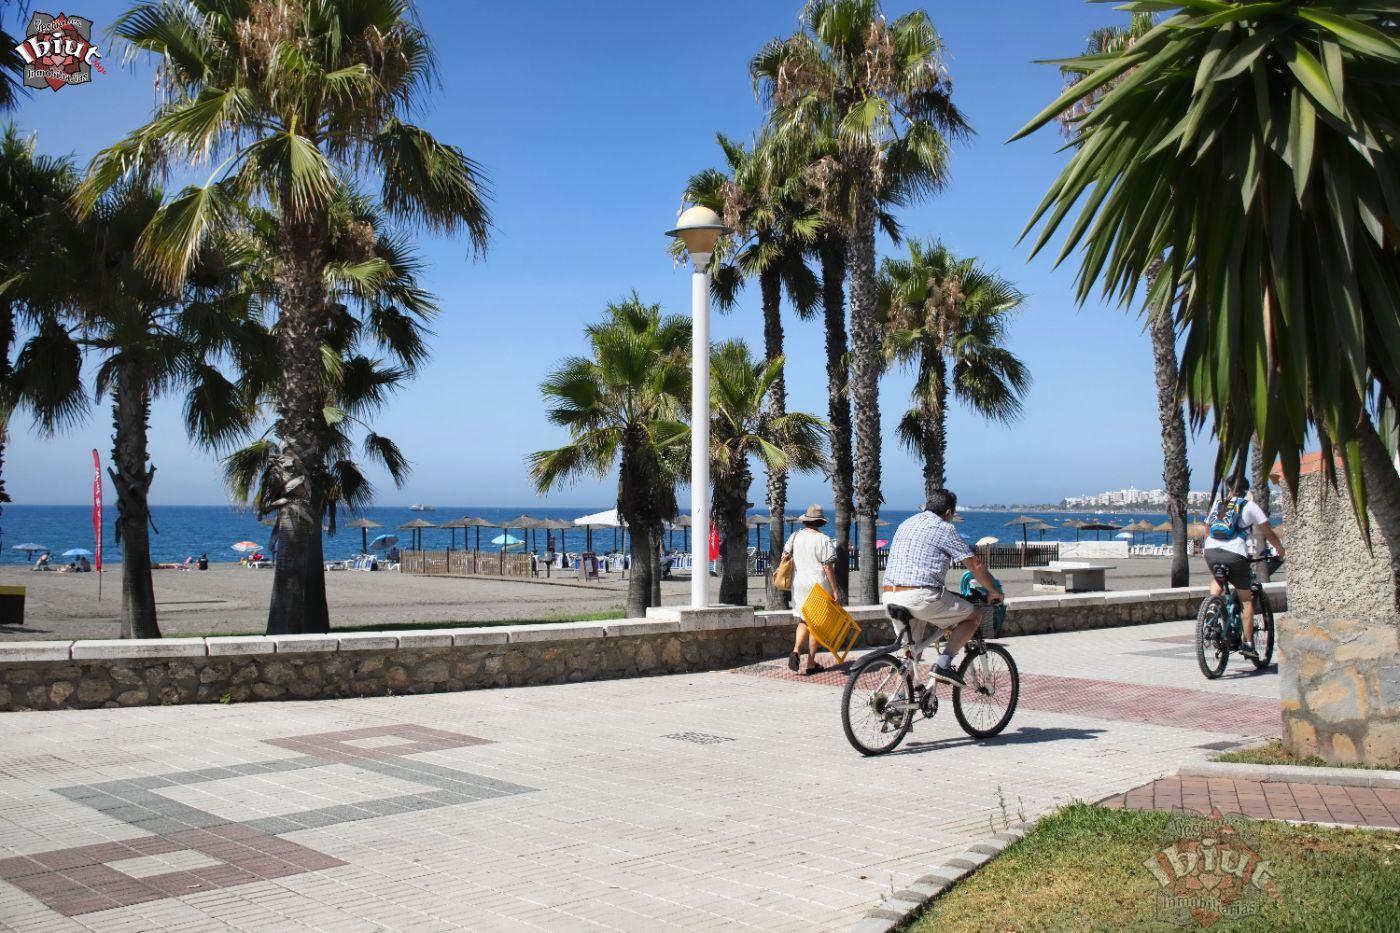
(898, 613)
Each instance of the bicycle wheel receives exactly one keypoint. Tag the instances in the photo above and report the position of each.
(876, 706)
(1211, 653)
(1263, 631)
(984, 706)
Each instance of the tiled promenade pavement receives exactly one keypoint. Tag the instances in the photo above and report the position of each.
(1268, 800)
(720, 801)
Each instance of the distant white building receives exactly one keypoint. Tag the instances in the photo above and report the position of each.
(1132, 497)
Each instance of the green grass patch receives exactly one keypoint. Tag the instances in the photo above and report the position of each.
(1082, 868)
(1276, 753)
(419, 626)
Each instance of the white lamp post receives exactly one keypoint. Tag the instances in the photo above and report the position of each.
(699, 228)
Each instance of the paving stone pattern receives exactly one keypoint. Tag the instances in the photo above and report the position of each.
(704, 801)
(1267, 800)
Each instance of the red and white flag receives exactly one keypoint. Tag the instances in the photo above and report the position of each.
(714, 541)
(97, 511)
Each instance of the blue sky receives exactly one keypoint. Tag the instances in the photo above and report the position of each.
(589, 118)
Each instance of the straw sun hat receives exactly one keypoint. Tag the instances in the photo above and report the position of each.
(813, 516)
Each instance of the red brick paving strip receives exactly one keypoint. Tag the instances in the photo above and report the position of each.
(1177, 707)
(79, 881)
(1268, 800)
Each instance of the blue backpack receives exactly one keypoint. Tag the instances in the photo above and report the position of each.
(1225, 518)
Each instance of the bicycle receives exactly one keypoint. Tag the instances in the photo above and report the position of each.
(885, 690)
(1220, 621)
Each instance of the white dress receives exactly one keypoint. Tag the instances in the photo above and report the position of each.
(811, 551)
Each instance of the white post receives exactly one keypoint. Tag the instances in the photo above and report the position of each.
(700, 432)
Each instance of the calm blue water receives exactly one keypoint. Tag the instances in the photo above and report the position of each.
(188, 531)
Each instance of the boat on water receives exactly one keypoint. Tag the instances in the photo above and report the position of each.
(422, 508)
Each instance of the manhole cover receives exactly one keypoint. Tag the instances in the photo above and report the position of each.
(698, 738)
(1218, 746)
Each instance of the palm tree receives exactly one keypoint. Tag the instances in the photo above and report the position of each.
(147, 340)
(1253, 149)
(1176, 471)
(291, 101)
(947, 312)
(762, 198)
(883, 91)
(623, 406)
(33, 188)
(374, 343)
(744, 426)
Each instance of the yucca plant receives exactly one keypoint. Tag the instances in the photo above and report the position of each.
(291, 101)
(1253, 148)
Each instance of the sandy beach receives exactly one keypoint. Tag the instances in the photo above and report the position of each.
(229, 598)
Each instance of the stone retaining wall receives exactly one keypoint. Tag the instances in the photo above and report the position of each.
(88, 674)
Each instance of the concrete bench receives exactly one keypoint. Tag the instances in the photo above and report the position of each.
(1071, 577)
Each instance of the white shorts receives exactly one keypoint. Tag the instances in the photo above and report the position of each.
(940, 609)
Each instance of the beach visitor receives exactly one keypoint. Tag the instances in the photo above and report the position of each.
(923, 548)
(43, 562)
(1233, 520)
(393, 555)
(813, 556)
(84, 566)
(203, 562)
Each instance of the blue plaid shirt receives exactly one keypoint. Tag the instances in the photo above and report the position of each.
(923, 549)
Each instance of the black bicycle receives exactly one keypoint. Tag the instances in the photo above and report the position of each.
(886, 689)
(1220, 621)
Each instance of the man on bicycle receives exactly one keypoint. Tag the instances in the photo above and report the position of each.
(1233, 520)
(923, 549)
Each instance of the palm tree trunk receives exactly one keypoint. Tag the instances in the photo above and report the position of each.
(1382, 497)
(731, 495)
(934, 438)
(639, 593)
(658, 534)
(865, 382)
(298, 583)
(1176, 473)
(634, 508)
(770, 287)
(833, 257)
(7, 339)
(1260, 493)
(131, 412)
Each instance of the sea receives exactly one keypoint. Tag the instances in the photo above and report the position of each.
(179, 532)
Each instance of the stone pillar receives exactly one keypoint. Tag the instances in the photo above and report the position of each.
(1339, 643)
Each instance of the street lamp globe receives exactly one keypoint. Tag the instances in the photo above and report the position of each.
(699, 228)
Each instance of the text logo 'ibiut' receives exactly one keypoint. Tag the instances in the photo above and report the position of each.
(58, 51)
(1209, 870)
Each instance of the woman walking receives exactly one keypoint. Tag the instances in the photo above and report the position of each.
(813, 558)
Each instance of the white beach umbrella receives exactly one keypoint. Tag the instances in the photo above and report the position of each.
(604, 519)
(987, 540)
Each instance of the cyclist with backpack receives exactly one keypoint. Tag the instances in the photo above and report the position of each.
(1232, 521)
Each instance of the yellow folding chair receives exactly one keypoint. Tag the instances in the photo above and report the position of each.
(832, 625)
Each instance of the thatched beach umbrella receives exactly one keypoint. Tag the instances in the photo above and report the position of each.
(478, 524)
(416, 526)
(452, 526)
(1166, 526)
(1041, 527)
(1197, 531)
(1097, 527)
(364, 524)
(1076, 524)
(1025, 521)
